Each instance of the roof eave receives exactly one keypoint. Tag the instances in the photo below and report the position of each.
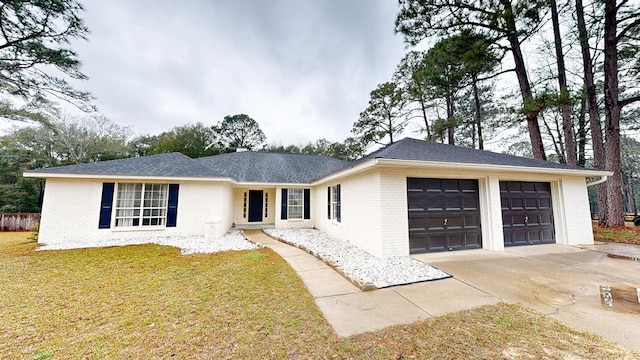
(46, 175)
(490, 167)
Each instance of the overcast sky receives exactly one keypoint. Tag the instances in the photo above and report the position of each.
(302, 69)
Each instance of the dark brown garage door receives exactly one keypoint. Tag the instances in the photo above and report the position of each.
(444, 214)
(527, 215)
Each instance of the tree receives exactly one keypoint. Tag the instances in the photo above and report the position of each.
(88, 139)
(384, 118)
(34, 37)
(239, 131)
(409, 75)
(193, 140)
(595, 124)
(349, 150)
(564, 103)
(74, 140)
(504, 24)
(621, 30)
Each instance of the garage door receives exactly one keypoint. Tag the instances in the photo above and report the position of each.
(527, 215)
(444, 214)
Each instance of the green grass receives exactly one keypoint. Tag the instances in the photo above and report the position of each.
(625, 235)
(149, 301)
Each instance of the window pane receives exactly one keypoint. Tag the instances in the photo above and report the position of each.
(295, 203)
(148, 200)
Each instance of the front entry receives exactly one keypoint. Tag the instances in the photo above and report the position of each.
(255, 205)
(444, 214)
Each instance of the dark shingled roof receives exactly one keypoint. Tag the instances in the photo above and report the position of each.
(249, 166)
(260, 167)
(241, 166)
(421, 150)
(168, 165)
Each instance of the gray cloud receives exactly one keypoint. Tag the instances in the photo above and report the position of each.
(302, 69)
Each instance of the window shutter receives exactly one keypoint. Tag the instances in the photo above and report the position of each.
(105, 205)
(307, 203)
(329, 202)
(284, 200)
(172, 211)
(338, 216)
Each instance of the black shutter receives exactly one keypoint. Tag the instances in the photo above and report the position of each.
(307, 203)
(283, 214)
(172, 211)
(338, 217)
(105, 205)
(329, 202)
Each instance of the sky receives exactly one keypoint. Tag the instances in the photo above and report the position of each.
(302, 69)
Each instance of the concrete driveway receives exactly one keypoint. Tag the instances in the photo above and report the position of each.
(559, 281)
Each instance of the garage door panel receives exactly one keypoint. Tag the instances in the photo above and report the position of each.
(527, 215)
(443, 215)
(453, 203)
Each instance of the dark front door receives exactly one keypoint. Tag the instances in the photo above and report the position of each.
(444, 214)
(527, 215)
(255, 205)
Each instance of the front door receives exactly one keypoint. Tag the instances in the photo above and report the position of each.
(255, 205)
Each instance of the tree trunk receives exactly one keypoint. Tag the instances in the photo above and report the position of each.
(423, 107)
(612, 117)
(565, 106)
(478, 117)
(450, 126)
(582, 131)
(594, 114)
(531, 112)
(557, 148)
(629, 196)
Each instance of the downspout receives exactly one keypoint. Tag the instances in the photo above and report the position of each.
(599, 181)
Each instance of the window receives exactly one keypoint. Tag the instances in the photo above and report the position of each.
(295, 204)
(333, 207)
(141, 205)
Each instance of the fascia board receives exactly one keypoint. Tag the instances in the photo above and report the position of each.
(490, 168)
(124, 177)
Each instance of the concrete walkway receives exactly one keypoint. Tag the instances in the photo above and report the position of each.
(559, 281)
(351, 311)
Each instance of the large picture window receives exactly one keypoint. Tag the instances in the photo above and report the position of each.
(295, 204)
(141, 205)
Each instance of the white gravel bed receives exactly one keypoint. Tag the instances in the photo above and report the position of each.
(233, 240)
(357, 264)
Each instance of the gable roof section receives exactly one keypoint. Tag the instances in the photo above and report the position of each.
(164, 165)
(421, 150)
(261, 167)
(254, 167)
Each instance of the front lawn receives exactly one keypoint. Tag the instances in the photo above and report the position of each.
(625, 235)
(149, 301)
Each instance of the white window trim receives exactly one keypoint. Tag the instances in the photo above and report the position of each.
(141, 216)
(334, 203)
(290, 206)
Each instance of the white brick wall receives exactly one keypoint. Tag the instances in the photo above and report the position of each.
(574, 212)
(361, 218)
(71, 210)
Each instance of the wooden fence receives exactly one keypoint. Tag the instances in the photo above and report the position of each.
(19, 222)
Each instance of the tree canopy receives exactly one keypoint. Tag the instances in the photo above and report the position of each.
(35, 60)
(239, 131)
